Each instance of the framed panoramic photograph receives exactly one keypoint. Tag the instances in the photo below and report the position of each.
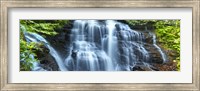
(99, 45)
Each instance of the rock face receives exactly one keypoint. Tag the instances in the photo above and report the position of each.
(61, 41)
(47, 61)
(140, 46)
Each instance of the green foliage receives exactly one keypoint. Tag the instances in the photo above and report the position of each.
(140, 22)
(168, 35)
(44, 28)
(28, 51)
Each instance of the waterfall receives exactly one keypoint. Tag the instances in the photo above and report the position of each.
(104, 46)
(112, 40)
(86, 52)
(34, 37)
(158, 48)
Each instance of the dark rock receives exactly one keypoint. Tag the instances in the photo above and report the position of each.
(124, 60)
(117, 27)
(144, 68)
(137, 68)
(74, 54)
(48, 63)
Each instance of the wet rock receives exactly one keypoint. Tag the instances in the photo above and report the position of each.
(74, 54)
(137, 68)
(48, 63)
(144, 67)
(124, 60)
(117, 27)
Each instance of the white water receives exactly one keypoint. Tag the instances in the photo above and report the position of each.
(84, 53)
(112, 40)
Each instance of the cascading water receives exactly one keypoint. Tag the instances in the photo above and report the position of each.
(34, 37)
(107, 45)
(112, 39)
(104, 46)
(86, 51)
(158, 48)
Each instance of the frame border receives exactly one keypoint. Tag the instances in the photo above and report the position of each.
(6, 4)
